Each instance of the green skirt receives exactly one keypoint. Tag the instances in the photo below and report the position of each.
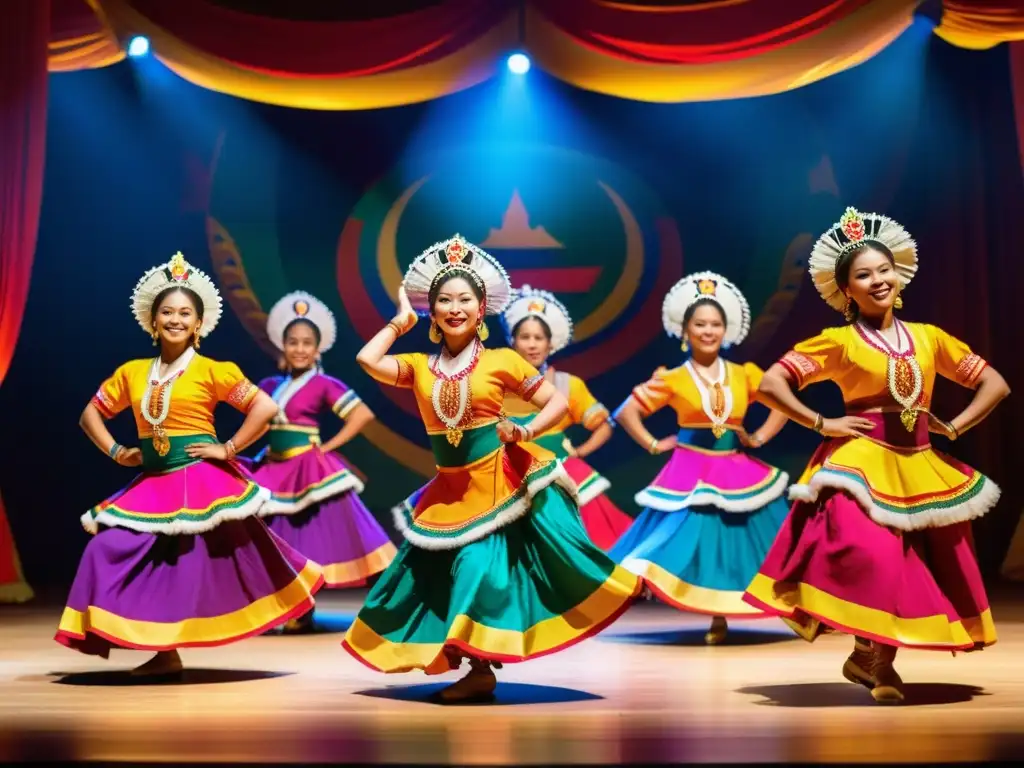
(534, 587)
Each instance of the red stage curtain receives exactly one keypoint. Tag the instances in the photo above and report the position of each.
(23, 78)
(633, 50)
(709, 51)
(79, 38)
(403, 59)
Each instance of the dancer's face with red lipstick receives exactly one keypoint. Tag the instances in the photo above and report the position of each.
(457, 310)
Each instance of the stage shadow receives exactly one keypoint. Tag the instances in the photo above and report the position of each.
(324, 623)
(122, 677)
(695, 636)
(329, 622)
(507, 694)
(804, 695)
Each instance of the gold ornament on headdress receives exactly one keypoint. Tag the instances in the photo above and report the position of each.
(853, 230)
(544, 305)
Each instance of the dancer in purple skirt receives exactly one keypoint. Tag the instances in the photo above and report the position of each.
(314, 497)
(179, 557)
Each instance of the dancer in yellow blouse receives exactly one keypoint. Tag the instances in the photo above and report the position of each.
(713, 510)
(496, 566)
(179, 557)
(879, 542)
(537, 326)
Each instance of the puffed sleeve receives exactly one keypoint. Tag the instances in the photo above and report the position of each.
(407, 363)
(753, 374)
(269, 384)
(518, 376)
(653, 394)
(338, 397)
(232, 387)
(815, 359)
(113, 395)
(954, 360)
(584, 408)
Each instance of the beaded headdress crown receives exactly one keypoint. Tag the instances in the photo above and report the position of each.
(534, 302)
(176, 273)
(854, 230)
(707, 285)
(301, 305)
(457, 254)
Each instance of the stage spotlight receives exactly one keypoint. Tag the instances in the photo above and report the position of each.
(931, 10)
(518, 63)
(138, 46)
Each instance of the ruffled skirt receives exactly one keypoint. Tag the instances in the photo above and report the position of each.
(314, 506)
(532, 587)
(180, 559)
(879, 544)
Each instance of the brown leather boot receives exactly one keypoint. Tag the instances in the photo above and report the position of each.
(888, 688)
(716, 634)
(857, 668)
(477, 686)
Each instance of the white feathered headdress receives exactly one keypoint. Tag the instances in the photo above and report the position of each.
(533, 302)
(707, 285)
(176, 273)
(853, 230)
(301, 305)
(457, 253)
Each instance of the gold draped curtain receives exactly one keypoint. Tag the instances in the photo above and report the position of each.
(719, 49)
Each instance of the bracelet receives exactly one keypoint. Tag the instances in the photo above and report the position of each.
(756, 440)
(819, 423)
(395, 327)
(956, 432)
(229, 447)
(114, 450)
(652, 446)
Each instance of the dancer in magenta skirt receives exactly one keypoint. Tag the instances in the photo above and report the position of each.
(879, 542)
(537, 325)
(314, 497)
(179, 557)
(713, 511)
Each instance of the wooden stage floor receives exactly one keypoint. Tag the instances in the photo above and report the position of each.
(646, 690)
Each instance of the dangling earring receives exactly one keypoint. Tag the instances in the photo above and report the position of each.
(435, 332)
(685, 346)
(156, 336)
(482, 331)
(195, 338)
(898, 303)
(849, 312)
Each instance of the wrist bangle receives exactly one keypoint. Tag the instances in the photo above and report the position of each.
(652, 446)
(956, 432)
(819, 423)
(114, 450)
(229, 447)
(395, 327)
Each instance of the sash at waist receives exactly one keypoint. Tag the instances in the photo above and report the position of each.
(705, 439)
(176, 458)
(889, 429)
(475, 444)
(283, 439)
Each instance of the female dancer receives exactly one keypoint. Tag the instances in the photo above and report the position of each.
(314, 498)
(879, 542)
(713, 511)
(538, 325)
(179, 557)
(496, 566)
